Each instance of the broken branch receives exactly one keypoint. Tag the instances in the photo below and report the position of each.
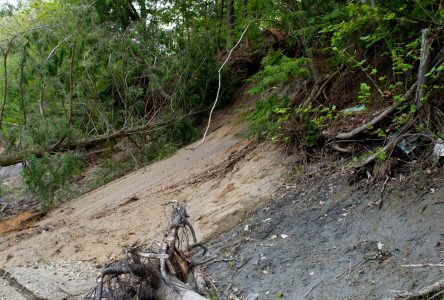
(436, 287)
(378, 118)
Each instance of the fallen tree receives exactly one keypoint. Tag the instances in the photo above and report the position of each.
(64, 144)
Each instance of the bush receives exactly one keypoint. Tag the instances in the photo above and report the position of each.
(50, 174)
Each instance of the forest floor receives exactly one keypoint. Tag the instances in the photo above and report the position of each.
(308, 237)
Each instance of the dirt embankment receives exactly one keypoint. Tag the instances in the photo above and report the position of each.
(316, 238)
(220, 182)
(320, 240)
(218, 193)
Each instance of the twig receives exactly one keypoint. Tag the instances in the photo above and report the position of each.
(349, 269)
(390, 144)
(423, 265)
(219, 86)
(213, 260)
(311, 290)
(338, 148)
(214, 288)
(436, 295)
(152, 255)
(379, 202)
(315, 93)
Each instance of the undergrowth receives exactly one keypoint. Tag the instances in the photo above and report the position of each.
(368, 54)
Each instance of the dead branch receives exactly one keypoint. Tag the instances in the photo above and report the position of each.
(338, 148)
(315, 92)
(416, 87)
(425, 51)
(71, 81)
(219, 86)
(22, 94)
(199, 277)
(378, 118)
(434, 288)
(381, 198)
(423, 265)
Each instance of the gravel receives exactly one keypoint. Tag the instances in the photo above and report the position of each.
(50, 280)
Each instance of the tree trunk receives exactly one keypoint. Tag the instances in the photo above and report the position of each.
(221, 21)
(313, 67)
(230, 23)
(22, 93)
(71, 81)
(245, 9)
(42, 94)
(425, 51)
(5, 85)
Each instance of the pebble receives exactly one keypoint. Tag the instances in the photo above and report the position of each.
(252, 297)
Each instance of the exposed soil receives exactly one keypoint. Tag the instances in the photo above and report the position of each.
(320, 240)
(314, 238)
(220, 182)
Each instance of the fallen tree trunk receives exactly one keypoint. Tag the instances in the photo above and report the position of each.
(64, 146)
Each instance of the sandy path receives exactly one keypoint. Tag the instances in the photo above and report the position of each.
(220, 182)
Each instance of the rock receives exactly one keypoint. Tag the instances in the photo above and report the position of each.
(252, 297)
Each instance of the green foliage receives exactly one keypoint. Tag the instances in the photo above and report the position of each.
(278, 70)
(313, 119)
(364, 93)
(266, 117)
(80, 69)
(271, 111)
(379, 42)
(6, 193)
(381, 154)
(50, 174)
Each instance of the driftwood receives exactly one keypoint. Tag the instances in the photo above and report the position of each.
(161, 275)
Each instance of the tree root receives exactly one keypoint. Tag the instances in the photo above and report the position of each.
(162, 275)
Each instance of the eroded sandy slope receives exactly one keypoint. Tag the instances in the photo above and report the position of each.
(220, 182)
